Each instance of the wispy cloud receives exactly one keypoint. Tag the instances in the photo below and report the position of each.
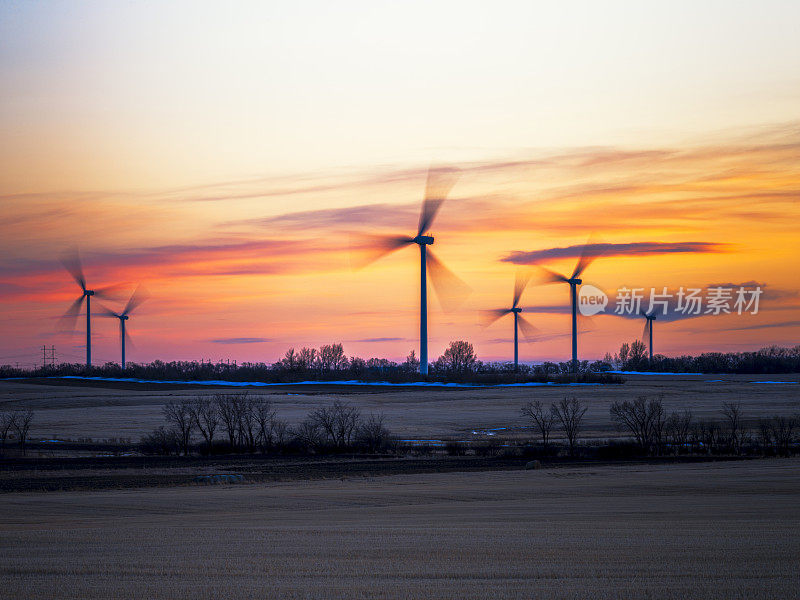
(535, 257)
(240, 340)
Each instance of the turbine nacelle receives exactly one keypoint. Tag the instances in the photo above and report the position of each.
(574, 281)
(88, 292)
(516, 310)
(423, 240)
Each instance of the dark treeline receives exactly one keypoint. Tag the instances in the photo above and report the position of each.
(458, 364)
(634, 357)
(330, 363)
(245, 423)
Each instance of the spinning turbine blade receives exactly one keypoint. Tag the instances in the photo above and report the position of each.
(72, 263)
(110, 292)
(450, 290)
(529, 331)
(588, 254)
(549, 276)
(440, 182)
(646, 332)
(520, 282)
(140, 294)
(367, 248)
(490, 316)
(68, 320)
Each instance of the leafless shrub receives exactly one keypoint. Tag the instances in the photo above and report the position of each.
(678, 428)
(541, 418)
(160, 441)
(569, 413)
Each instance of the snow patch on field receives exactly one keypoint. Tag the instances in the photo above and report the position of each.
(649, 373)
(219, 382)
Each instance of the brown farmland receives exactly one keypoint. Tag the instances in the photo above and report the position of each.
(112, 410)
(710, 530)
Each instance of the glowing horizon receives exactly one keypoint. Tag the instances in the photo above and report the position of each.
(142, 136)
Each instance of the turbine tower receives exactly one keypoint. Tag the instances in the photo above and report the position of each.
(648, 331)
(72, 263)
(447, 285)
(139, 295)
(520, 322)
(588, 253)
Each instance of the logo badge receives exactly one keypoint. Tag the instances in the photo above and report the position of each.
(591, 300)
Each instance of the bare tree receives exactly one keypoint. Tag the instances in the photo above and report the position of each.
(459, 357)
(178, 414)
(644, 420)
(677, 429)
(279, 432)
(338, 422)
(765, 435)
(247, 426)
(306, 358)
(372, 433)
(263, 416)
(6, 425)
(308, 434)
(732, 412)
(205, 414)
(331, 357)
(290, 360)
(569, 413)
(542, 419)
(228, 412)
(706, 434)
(782, 433)
(21, 421)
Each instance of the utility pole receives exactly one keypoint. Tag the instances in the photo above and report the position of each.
(48, 356)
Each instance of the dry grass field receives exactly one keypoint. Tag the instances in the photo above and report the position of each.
(111, 412)
(710, 530)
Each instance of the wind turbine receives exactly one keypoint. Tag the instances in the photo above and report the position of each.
(520, 322)
(588, 254)
(439, 183)
(648, 330)
(72, 263)
(139, 295)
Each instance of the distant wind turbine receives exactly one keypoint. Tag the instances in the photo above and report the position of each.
(648, 330)
(139, 295)
(588, 254)
(440, 182)
(72, 263)
(520, 322)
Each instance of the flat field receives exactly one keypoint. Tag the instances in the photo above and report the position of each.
(709, 530)
(110, 410)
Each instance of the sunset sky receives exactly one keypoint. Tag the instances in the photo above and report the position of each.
(226, 155)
